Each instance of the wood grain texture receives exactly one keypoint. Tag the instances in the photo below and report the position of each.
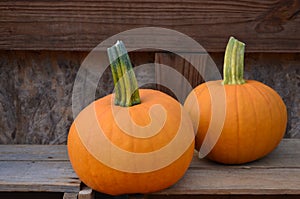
(35, 95)
(31, 195)
(33, 153)
(276, 174)
(185, 66)
(86, 193)
(38, 176)
(70, 196)
(36, 168)
(266, 26)
(285, 155)
(257, 182)
(205, 196)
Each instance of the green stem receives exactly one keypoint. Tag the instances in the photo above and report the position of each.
(234, 62)
(126, 86)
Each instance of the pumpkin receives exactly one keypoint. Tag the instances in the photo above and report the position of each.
(132, 141)
(255, 116)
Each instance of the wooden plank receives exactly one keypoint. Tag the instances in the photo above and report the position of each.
(41, 176)
(189, 66)
(86, 193)
(266, 26)
(31, 195)
(40, 168)
(33, 152)
(222, 196)
(70, 195)
(276, 174)
(286, 155)
(238, 181)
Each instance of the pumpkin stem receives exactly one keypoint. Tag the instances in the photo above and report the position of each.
(234, 62)
(126, 86)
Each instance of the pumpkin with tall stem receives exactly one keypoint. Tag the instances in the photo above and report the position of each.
(255, 117)
(133, 141)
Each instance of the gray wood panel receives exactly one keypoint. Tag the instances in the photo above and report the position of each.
(37, 168)
(276, 174)
(238, 181)
(286, 155)
(43, 176)
(33, 152)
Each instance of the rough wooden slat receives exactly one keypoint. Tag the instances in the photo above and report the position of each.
(70, 196)
(189, 66)
(86, 193)
(286, 155)
(31, 195)
(276, 174)
(269, 26)
(222, 196)
(33, 152)
(238, 181)
(43, 176)
(37, 168)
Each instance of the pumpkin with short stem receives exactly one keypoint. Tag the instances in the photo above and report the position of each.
(255, 116)
(135, 141)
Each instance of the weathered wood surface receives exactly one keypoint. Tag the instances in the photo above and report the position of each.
(36, 88)
(221, 197)
(27, 168)
(86, 193)
(32, 195)
(36, 93)
(286, 155)
(33, 153)
(266, 26)
(190, 68)
(276, 174)
(70, 195)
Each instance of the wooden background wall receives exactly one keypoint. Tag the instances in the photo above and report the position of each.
(43, 44)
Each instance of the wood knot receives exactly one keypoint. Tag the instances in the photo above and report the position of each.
(273, 20)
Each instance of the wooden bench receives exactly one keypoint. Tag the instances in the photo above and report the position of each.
(39, 168)
(46, 168)
(277, 175)
(56, 36)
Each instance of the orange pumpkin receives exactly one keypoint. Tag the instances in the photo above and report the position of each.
(136, 141)
(255, 116)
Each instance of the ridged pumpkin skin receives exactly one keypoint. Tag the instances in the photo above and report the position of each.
(255, 120)
(104, 178)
